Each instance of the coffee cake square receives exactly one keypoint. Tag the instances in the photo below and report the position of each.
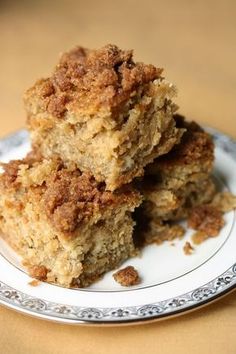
(68, 229)
(108, 114)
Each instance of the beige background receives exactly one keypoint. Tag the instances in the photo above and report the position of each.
(195, 41)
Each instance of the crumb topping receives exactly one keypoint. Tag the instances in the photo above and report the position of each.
(68, 196)
(11, 169)
(127, 276)
(71, 197)
(206, 218)
(195, 145)
(105, 76)
(188, 248)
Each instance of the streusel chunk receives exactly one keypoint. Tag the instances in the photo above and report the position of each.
(127, 276)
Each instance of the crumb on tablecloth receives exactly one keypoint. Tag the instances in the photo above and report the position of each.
(127, 276)
(206, 218)
(188, 248)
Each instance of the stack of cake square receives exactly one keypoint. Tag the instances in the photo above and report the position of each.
(176, 183)
(105, 141)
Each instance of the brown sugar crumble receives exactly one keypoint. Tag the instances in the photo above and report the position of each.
(196, 145)
(188, 248)
(105, 76)
(69, 196)
(127, 276)
(72, 197)
(206, 218)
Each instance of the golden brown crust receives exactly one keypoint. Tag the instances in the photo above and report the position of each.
(103, 77)
(206, 218)
(127, 276)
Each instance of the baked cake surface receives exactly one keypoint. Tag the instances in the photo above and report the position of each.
(108, 114)
(66, 226)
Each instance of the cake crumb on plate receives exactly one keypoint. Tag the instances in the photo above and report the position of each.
(127, 276)
(34, 282)
(188, 248)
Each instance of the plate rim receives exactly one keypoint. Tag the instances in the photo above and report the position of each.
(36, 307)
(68, 314)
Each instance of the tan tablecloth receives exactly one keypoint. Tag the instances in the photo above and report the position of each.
(195, 42)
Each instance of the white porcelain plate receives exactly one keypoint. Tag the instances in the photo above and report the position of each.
(172, 282)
